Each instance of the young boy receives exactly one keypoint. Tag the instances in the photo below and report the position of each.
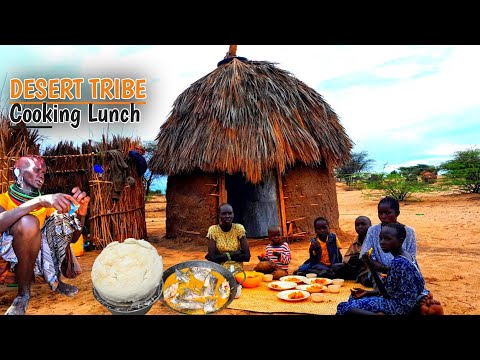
(353, 267)
(324, 251)
(277, 255)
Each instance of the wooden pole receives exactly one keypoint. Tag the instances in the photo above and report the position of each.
(222, 189)
(232, 51)
(281, 202)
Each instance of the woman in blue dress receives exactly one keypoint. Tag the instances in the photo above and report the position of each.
(404, 283)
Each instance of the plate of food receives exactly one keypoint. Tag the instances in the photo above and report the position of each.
(319, 281)
(282, 285)
(293, 295)
(313, 288)
(294, 278)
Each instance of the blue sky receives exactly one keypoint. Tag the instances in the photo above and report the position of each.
(404, 105)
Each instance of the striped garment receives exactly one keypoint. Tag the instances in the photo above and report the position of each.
(57, 233)
(285, 255)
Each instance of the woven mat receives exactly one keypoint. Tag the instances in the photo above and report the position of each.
(263, 299)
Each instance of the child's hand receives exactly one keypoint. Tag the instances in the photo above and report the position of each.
(366, 258)
(276, 254)
(376, 265)
(373, 264)
(357, 293)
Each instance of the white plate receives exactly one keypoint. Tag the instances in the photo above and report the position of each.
(309, 288)
(314, 281)
(284, 295)
(281, 285)
(293, 278)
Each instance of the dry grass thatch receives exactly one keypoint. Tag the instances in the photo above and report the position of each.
(18, 140)
(15, 141)
(66, 167)
(249, 117)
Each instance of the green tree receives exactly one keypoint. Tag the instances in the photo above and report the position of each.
(413, 172)
(464, 170)
(397, 186)
(359, 163)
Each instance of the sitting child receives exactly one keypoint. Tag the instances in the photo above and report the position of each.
(324, 251)
(353, 267)
(404, 288)
(277, 255)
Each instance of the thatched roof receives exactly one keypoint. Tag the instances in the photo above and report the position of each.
(249, 117)
(18, 140)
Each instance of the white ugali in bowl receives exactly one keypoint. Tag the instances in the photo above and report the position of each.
(127, 276)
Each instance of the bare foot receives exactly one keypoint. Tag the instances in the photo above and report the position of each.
(19, 305)
(66, 289)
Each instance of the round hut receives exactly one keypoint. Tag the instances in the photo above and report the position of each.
(250, 134)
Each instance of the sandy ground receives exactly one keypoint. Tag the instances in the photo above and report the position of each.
(448, 239)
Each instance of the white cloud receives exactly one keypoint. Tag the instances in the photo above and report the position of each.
(438, 154)
(410, 103)
(399, 71)
(49, 54)
(449, 149)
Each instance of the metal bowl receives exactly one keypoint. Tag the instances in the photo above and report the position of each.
(205, 264)
(133, 308)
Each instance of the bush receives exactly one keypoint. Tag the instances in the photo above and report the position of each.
(397, 186)
(464, 170)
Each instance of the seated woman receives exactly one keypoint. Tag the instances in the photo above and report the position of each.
(404, 285)
(227, 241)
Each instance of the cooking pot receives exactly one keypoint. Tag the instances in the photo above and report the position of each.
(140, 307)
(229, 276)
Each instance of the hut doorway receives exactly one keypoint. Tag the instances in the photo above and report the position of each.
(254, 206)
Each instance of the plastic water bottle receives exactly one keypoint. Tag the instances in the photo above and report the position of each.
(73, 208)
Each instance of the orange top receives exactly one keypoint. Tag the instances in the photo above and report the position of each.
(325, 259)
(41, 213)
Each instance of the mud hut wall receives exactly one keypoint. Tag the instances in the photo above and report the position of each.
(192, 204)
(112, 219)
(309, 193)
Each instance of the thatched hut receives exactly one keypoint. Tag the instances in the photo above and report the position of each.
(252, 135)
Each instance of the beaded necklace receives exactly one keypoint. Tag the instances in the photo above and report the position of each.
(18, 196)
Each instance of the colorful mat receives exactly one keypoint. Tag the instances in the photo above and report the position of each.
(264, 300)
